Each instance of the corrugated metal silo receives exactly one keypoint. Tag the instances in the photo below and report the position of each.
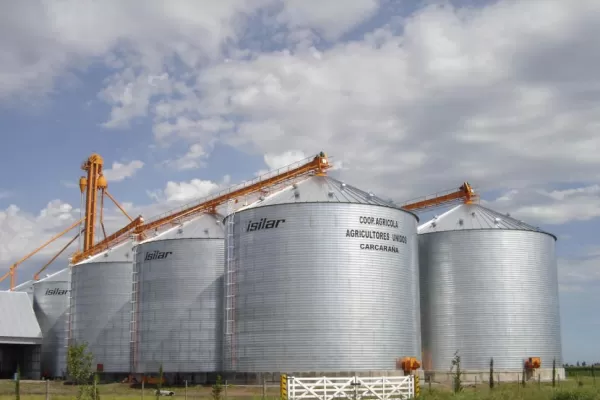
(489, 289)
(51, 304)
(320, 277)
(178, 292)
(100, 311)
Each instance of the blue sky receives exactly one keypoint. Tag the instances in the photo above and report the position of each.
(409, 97)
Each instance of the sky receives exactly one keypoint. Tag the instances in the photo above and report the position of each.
(408, 98)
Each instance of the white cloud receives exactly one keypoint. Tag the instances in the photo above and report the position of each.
(119, 172)
(579, 274)
(194, 158)
(21, 232)
(456, 92)
(5, 193)
(188, 191)
(553, 207)
(276, 161)
(326, 17)
(54, 35)
(505, 96)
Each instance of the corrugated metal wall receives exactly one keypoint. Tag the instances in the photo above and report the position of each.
(51, 303)
(179, 320)
(312, 296)
(101, 311)
(489, 293)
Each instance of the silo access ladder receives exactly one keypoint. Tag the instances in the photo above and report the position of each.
(230, 287)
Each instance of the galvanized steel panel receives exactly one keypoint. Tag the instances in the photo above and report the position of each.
(309, 298)
(101, 311)
(18, 323)
(489, 293)
(474, 217)
(179, 319)
(51, 305)
(320, 189)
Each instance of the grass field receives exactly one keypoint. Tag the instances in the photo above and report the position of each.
(582, 388)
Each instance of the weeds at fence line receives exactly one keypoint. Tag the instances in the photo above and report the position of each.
(492, 373)
(456, 373)
(581, 388)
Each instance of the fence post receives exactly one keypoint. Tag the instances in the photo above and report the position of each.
(226, 389)
(264, 387)
(417, 387)
(94, 397)
(143, 388)
(186, 389)
(47, 389)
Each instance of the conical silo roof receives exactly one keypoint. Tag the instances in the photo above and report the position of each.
(23, 287)
(320, 189)
(475, 217)
(119, 253)
(59, 276)
(205, 226)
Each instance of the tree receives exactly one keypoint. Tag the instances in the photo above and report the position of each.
(79, 369)
(160, 379)
(457, 373)
(217, 389)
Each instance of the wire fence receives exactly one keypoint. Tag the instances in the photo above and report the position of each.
(59, 390)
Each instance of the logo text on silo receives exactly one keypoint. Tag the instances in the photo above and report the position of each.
(157, 255)
(56, 292)
(264, 223)
(392, 223)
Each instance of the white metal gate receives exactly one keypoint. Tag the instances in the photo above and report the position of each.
(351, 388)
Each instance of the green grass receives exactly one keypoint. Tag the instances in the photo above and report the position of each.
(568, 390)
(573, 372)
(36, 390)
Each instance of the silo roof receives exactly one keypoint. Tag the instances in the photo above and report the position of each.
(475, 217)
(205, 226)
(19, 324)
(321, 189)
(24, 286)
(59, 276)
(122, 252)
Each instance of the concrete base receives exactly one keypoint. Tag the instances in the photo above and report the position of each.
(270, 378)
(480, 376)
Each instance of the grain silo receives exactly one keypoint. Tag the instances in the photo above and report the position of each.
(51, 304)
(489, 289)
(100, 311)
(320, 277)
(178, 291)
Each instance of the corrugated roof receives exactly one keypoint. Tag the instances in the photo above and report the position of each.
(317, 189)
(474, 216)
(18, 323)
(120, 253)
(204, 226)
